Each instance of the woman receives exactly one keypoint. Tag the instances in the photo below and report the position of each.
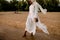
(33, 19)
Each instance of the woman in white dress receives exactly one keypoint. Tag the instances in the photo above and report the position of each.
(33, 19)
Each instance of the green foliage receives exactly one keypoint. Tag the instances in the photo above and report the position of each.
(51, 5)
(14, 5)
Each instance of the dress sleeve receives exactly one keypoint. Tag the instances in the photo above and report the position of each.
(35, 11)
(42, 10)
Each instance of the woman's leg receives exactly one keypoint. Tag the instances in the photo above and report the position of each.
(33, 27)
(25, 34)
(42, 27)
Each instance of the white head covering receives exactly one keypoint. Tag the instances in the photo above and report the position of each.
(33, 0)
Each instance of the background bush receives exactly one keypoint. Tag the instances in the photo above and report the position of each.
(14, 5)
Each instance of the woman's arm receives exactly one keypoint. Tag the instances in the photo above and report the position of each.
(42, 10)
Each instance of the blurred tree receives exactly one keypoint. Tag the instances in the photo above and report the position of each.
(51, 5)
(14, 5)
(23, 5)
(4, 5)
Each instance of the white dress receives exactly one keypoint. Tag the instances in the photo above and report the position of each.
(30, 23)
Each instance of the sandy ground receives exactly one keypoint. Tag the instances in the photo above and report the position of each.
(12, 26)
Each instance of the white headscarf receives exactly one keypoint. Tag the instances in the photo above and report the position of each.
(33, 0)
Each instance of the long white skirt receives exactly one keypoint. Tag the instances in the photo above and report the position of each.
(31, 26)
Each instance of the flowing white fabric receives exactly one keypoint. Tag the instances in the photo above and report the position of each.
(33, 13)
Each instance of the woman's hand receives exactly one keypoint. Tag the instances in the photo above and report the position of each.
(36, 19)
(45, 10)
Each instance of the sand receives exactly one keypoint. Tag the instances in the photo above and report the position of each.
(12, 26)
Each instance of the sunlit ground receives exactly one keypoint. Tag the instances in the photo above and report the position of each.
(12, 26)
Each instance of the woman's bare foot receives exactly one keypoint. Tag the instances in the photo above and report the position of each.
(24, 34)
(31, 34)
